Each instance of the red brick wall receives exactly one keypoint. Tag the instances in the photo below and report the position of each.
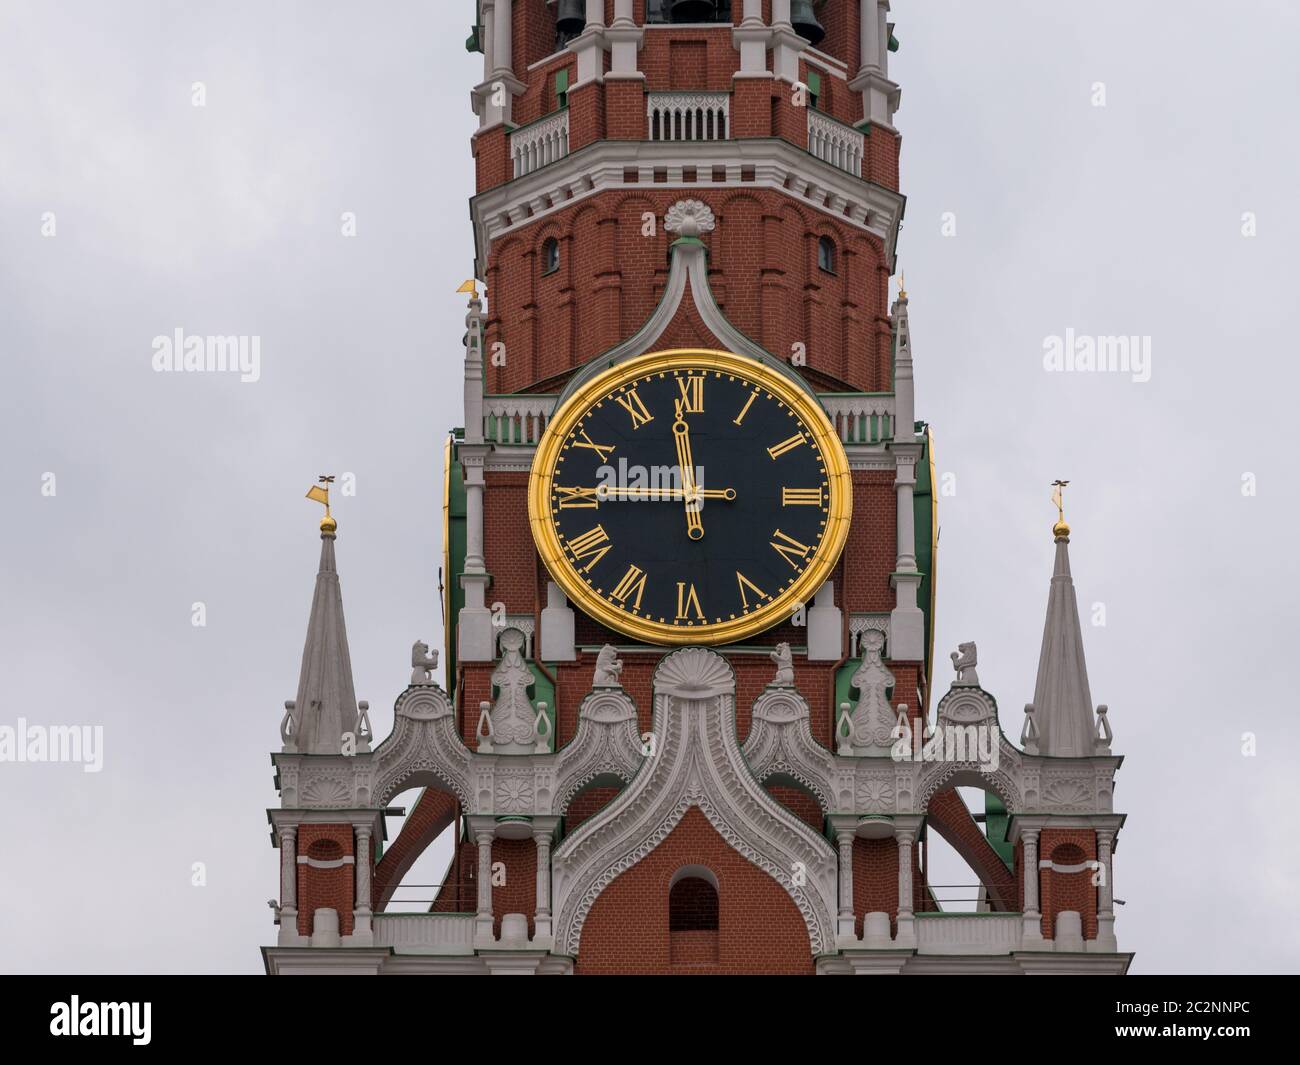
(870, 551)
(762, 269)
(587, 803)
(325, 888)
(760, 929)
(1068, 891)
(875, 880)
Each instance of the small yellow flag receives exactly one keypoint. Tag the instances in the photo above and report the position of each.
(470, 286)
(321, 495)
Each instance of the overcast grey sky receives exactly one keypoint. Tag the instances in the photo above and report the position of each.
(176, 489)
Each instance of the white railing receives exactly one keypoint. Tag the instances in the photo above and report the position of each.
(860, 418)
(689, 116)
(539, 143)
(835, 143)
(425, 933)
(968, 933)
(516, 419)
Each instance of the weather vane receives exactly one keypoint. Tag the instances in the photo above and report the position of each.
(1058, 497)
(321, 493)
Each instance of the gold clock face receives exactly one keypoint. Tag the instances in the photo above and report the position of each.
(690, 496)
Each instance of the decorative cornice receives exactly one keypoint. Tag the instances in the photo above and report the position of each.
(778, 166)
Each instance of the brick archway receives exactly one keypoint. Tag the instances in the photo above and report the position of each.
(760, 930)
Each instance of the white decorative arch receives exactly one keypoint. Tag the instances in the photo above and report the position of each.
(697, 762)
(780, 741)
(607, 743)
(424, 743)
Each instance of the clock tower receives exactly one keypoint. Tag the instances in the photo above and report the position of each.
(687, 722)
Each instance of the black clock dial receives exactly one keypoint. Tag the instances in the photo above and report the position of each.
(690, 497)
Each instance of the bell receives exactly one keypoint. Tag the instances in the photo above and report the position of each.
(692, 10)
(570, 17)
(804, 21)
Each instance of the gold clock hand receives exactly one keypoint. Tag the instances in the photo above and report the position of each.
(682, 437)
(605, 493)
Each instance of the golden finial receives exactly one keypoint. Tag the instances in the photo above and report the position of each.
(1060, 529)
(902, 284)
(321, 493)
(471, 287)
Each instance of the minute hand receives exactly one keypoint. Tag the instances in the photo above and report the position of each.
(682, 437)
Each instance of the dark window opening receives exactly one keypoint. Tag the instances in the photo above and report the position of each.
(661, 11)
(550, 255)
(826, 254)
(693, 906)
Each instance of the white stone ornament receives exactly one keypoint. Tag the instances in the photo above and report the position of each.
(784, 666)
(873, 717)
(964, 664)
(608, 668)
(423, 663)
(689, 218)
(512, 715)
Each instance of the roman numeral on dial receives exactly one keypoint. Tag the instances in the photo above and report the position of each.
(633, 404)
(603, 450)
(593, 544)
(777, 450)
(744, 583)
(745, 409)
(688, 603)
(633, 583)
(789, 548)
(692, 394)
(571, 498)
(801, 497)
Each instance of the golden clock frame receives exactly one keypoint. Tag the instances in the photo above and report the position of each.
(812, 415)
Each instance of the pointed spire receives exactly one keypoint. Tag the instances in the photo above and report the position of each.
(326, 706)
(898, 312)
(1062, 699)
(904, 389)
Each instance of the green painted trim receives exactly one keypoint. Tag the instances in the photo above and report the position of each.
(544, 690)
(925, 549)
(455, 554)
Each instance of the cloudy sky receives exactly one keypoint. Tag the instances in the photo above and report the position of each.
(130, 496)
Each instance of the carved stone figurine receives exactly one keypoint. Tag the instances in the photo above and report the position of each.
(873, 717)
(964, 664)
(512, 713)
(784, 666)
(423, 663)
(608, 667)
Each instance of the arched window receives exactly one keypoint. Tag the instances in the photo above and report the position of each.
(550, 255)
(826, 254)
(693, 904)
